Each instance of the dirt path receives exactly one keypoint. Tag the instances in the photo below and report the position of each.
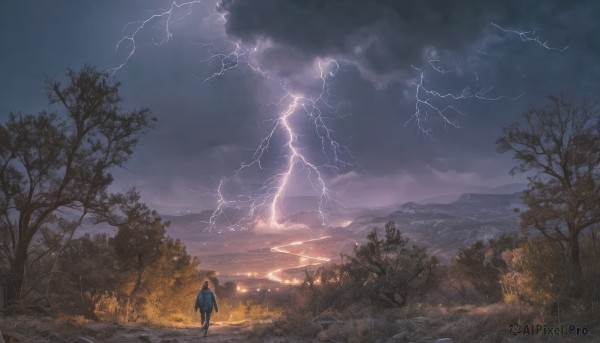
(218, 332)
(31, 329)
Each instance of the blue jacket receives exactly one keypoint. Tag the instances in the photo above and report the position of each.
(206, 300)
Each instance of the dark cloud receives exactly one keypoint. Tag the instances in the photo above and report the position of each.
(384, 37)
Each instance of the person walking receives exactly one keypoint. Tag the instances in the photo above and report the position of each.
(205, 301)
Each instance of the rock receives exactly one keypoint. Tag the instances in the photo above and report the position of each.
(98, 333)
(396, 338)
(134, 330)
(443, 340)
(1, 338)
(48, 334)
(22, 329)
(145, 338)
(325, 324)
(171, 340)
(83, 340)
(170, 333)
(8, 338)
(87, 331)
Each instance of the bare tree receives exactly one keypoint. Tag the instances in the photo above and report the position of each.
(55, 164)
(560, 143)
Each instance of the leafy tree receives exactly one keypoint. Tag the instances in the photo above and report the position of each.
(88, 272)
(53, 164)
(140, 272)
(329, 287)
(560, 144)
(139, 239)
(388, 270)
(536, 274)
(481, 265)
(172, 284)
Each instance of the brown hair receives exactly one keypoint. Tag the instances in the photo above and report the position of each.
(205, 285)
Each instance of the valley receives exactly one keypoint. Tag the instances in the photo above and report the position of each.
(264, 260)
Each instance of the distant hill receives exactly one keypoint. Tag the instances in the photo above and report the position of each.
(510, 188)
(442, 228)
(445, 228)
(196, 223)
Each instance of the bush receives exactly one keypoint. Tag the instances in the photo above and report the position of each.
(296, 322)
(479, 267)
(328, 287)
(390, 271)
(96, 278)
(247, 309)
(358, 331)
(538, 275)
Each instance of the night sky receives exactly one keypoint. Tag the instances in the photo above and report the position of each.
(207, 128)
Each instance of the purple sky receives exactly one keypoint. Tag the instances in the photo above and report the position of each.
(206, 129)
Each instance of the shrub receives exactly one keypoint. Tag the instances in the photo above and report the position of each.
(390, 271)
(479, 267)
(538, 274)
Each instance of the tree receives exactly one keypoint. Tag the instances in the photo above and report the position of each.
(52, 165)
(139, 238)
(481, 265)
(388, 270)
(87, 274)
(160, 271)
(537, 274)
(173, 281)
(140, 273)
(330, 287)
(560, 144)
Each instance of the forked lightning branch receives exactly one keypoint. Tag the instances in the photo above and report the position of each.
(264, 206)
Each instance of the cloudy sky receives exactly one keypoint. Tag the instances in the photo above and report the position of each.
(378, 60)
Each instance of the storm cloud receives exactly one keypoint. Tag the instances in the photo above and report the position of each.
(384, 37)
(206, 129)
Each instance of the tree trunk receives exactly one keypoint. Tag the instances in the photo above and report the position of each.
(16, 276)
(575, 257)
(138, 283)
(576, 264)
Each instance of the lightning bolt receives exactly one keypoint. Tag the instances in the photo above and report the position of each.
(275, 187)
(169, 15)
(429, 101)
(530, 36)
(443, 104)
(231, 60)
(264, 208)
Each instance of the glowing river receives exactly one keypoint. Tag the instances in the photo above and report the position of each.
(272, 274)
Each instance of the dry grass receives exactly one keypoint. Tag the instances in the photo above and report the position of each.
(471, 323)
(419, 323)
(296, 323)
(416, 324)
(358, 330)
(247, 310)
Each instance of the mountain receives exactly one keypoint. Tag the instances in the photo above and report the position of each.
(445, 228)
(509, 188)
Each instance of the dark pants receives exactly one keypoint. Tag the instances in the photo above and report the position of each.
(205, 318)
